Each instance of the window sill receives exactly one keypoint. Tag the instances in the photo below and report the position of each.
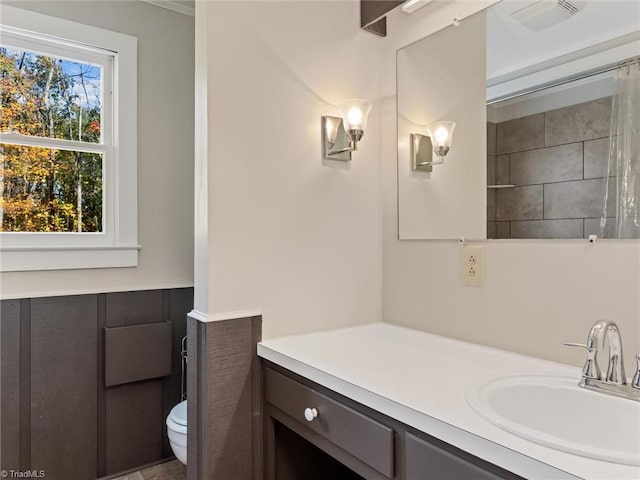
(24, 259)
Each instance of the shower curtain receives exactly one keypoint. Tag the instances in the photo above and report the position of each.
(621, 215)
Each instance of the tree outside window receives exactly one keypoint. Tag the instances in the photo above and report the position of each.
(68, 144)
(48, 189)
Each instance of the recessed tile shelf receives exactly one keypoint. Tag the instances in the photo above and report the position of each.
(500, 186)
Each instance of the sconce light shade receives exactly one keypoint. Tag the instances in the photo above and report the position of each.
(355, 113)
(340, 136)
(441, 134)
(423, 147)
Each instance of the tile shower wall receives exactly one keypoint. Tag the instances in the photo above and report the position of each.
(557, 161)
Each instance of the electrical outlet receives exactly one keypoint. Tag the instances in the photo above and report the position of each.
(472, 266)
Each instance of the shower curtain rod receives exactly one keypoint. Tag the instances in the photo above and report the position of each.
(575, 78)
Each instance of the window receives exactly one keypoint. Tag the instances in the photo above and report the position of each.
(57, 136)
(67, 145)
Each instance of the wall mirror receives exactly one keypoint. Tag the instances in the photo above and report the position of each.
(546, 98)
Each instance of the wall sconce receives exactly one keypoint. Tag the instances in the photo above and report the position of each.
(437, 141)
(340, 136)
(411, 6)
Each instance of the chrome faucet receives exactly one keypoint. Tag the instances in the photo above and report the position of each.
(615, 381)
(604, 330)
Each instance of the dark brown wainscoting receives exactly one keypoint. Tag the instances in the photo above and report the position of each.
(225, 402)
(56, 414)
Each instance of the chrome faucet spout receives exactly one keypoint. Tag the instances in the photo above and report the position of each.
(606, 331)
(615, 382)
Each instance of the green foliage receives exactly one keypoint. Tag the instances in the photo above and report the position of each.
(44, 189)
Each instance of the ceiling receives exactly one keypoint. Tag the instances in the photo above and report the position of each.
(512, 47)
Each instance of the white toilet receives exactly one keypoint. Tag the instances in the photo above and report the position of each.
(177, 431)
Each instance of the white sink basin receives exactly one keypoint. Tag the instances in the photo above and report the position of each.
(556, 412)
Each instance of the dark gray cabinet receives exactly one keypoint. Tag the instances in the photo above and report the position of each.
(426, 460)
(359, 435)
(348, 441)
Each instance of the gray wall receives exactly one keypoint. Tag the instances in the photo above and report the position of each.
(165, 152)
(55, 412)
(558, 162)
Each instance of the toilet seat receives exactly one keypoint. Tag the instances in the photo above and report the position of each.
(179, 413)
(177, 418)
(177, 431)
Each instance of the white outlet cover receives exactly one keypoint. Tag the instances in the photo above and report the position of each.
(472, 265)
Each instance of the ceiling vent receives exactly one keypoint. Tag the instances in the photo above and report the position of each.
(545, 13)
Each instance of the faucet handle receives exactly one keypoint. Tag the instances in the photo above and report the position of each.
(635, 383)
(590, 369)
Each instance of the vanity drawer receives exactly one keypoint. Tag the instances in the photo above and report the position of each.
(427, 459)
(364, 438)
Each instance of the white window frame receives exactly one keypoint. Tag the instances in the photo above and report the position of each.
(117, 244)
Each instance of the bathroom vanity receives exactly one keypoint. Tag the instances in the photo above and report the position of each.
(371, 445)
(385, 402)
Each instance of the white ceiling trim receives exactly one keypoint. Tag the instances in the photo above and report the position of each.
(174, 6)
(591, 60)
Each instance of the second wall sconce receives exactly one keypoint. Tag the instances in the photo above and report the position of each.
(340, 135)
(438, 142)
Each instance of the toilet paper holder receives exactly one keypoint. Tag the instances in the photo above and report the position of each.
(183, 358)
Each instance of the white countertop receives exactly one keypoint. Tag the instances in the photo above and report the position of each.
(421, 380)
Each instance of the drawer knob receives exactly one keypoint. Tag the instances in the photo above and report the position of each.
(310, 414)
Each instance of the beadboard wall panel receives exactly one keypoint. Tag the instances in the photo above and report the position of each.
(63, 405)
(134, 308)
(226, 400)
(55, 412)
(135, 426)
(10, 385)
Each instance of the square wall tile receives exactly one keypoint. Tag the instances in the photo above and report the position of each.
(491, 138)
(547, 229)
(491, 230)
(576, 123)
(545, 165)
(579, 199)
(491, 169)
(503, 230)
(520, 134)
(592, 227)
(596, 158)
(519, 203)
(491, 204)
(502, 170)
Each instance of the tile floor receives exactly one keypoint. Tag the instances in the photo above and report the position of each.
(172, 470)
